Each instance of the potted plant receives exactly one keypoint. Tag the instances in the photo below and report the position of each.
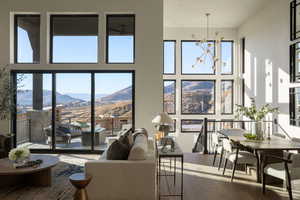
(19, 156)
(6, 97)
(256, 115)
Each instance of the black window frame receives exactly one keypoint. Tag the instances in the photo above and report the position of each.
(107, 36)
(181, 67)
(51, 38)
(293, 20)
(232, 96)
(16, 16)
(175, 84)
(184, 131)
(174, 41)
(212, 80)
(232, 57)
(53, 149)
(294, 76)
(292, 108)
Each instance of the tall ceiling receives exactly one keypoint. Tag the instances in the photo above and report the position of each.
(224, 13)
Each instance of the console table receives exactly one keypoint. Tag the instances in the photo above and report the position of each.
(176, 154)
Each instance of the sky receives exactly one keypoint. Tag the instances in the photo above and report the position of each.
(82, 49)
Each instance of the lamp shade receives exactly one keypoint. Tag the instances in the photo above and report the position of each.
(162, 119)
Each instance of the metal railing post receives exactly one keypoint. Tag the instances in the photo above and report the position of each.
(205, 135)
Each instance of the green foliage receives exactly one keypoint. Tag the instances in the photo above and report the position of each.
(253, 112)
(6, 93)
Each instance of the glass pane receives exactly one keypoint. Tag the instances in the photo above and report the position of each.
(226, 57)
(120, 38)
(191, 125)
(173, 127)
(34, 110)
(297, 106)
(169, 97)
(227, 124)
(192, 53)
(73, 111)
(169, 57)
(75, 39)
(227, 97)
(113, 106)
(28, 38)
(198, 97)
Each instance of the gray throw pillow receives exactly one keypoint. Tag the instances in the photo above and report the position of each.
(118, 151)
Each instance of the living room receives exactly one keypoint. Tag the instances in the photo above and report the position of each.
(100, 97)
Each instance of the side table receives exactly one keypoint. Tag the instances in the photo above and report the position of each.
(80, 181)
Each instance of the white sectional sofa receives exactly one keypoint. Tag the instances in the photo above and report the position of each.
(123, 179)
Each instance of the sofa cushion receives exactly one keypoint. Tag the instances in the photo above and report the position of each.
(139, 131)
(139, 150)
(117, 151)
(125, 140)
(126, 137)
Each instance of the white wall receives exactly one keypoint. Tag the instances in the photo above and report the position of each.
(267, 59)
(186, 140)
(149, 36)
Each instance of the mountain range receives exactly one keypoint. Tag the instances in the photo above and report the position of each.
(24, 97)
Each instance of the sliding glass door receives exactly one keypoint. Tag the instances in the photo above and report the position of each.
(86, 108)
(113, 104)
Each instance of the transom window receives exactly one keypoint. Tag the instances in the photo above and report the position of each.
(27, 38)
(120, 34)
(74, 39)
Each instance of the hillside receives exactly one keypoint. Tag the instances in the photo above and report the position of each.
(121, 95)
(24, 98)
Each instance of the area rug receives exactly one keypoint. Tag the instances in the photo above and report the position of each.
(61, 188)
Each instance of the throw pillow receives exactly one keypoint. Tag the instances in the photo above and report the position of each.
(117, 151)
(140, 131)
(139, 150)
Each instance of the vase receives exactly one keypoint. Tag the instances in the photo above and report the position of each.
(20, 162)
(257, 130)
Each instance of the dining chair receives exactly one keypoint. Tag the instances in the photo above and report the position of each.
(236, 156)
(217, 148)
(284, 169)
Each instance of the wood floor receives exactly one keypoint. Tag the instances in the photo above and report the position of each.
(204, 182)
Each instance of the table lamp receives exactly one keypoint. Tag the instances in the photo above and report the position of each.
(163, 123)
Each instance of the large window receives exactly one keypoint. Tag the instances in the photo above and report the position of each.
(120, 36)
(198, 97)
(295, 106)
(226, 57)
(27, 39)
(192, 52)
(74, 39)
(34, 110)
(227, 96)
(169, 56)
(169, 96)
(191, 125)
(89, 107)
(113, 102)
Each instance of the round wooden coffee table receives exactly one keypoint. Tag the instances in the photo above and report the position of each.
(80, 181)
(38, 176)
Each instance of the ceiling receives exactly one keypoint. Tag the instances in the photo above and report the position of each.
(224, 13)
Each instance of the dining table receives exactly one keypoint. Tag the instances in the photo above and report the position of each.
(272, 144)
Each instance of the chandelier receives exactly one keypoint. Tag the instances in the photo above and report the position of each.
(207, 47)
